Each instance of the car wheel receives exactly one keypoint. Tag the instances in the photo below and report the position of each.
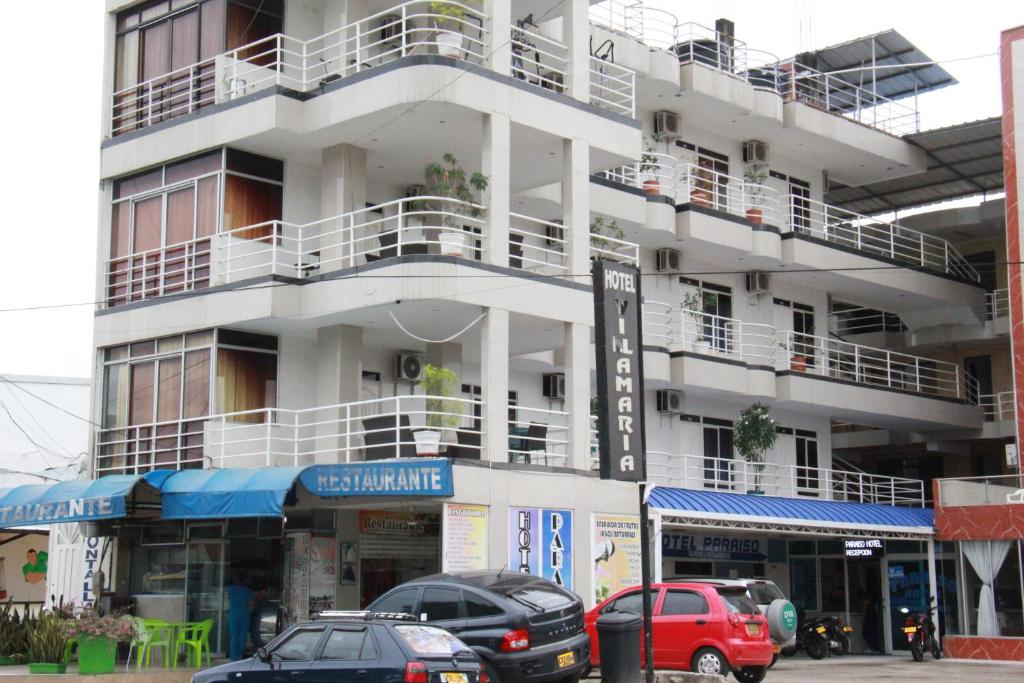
(708, 660)
(788, 651)
(492, 674)
(750, 674)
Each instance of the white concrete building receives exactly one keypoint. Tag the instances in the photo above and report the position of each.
(279, 261)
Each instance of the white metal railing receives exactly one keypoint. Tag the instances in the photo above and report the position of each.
(703, 45)
(998, 407)
(716, 335)
(411, 28)
(710, 189)
(612, 87)
(538, 436)
(362, 430)
(539, 60)
(990, 490)
(168, 270)
(739, 476)
(850, 321)
(614, 249)
(537, 245)
(997, 304)
(658, 323)
(872, 366)
(654, 27)
(872, 236)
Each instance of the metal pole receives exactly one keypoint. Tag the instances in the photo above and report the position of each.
(645, 577)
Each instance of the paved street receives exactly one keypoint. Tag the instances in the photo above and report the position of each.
(894, 668)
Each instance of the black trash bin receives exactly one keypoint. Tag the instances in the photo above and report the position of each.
(618, 636)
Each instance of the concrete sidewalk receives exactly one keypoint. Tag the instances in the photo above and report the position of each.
(898, 667)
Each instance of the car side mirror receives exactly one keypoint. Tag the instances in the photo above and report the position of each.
(263, 655)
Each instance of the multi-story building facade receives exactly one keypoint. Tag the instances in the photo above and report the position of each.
(295, 289)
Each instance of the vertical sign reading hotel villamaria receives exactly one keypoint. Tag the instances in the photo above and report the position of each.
(619, 370)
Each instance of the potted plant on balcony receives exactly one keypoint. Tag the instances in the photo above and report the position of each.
(753, 190)
(650, 168)
(47, 639)
(12, 635)
(443, 412)
(600, 231)
(693, 306)
(458, 191)
(97, 636)
(754, 435)
(451, 16)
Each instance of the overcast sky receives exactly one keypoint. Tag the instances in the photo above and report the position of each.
(51, 131)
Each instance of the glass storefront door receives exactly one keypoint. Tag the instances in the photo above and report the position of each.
(908, 587)
(205, 589)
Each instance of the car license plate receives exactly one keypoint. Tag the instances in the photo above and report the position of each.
(566, 659)
(910, 629)
(454, 678)
(848, 629)
(820, 629)
(753, 629)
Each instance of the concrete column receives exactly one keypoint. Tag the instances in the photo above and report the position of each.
(577, 393)
(497, 48)
(339, 356)
(342, 190)
(933, 579)
(496, 164)
(576, 205)
(576, 36)
(494, 384)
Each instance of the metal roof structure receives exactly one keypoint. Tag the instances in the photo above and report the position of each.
(887, 49)
(737, 511)
(963, 160)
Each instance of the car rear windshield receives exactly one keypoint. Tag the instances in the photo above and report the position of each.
(736, 600)
(537, 595)
(429, 640)
(763, 592)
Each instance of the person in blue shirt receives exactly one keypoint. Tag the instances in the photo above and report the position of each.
(241, 600)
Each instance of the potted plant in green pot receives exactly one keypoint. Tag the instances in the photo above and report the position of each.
(47, 640)
(449, 19)
(753, 436)
(459, 197)
(443, 412)
(97, 636)
(753, 190)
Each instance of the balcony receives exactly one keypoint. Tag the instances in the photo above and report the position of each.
(997, 304)
(970, 491)
(404, 227)
(718, 336)
(998, 407)
(790, 481)
(306, 66)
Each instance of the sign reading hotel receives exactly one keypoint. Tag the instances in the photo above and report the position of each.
(540, 543)
(619, 370)
(463, 537)
(411, 477)
(615, 553)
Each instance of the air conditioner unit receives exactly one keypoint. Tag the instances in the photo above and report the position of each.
(670, 401)
(409, 366)
(554, 385)
(759, 282)
(555, 234)
(755, 152)
(668, 260)
(666, 124)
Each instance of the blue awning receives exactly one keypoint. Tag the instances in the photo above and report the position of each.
(829, 517)
(78, 500)
(218, 494)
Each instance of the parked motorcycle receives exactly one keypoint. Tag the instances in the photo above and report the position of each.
(812, 638)
(919, 628)
(838, 634)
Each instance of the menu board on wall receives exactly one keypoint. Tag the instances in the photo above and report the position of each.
(615, 553)
(464, 537)
(540, 543)
(323, 571)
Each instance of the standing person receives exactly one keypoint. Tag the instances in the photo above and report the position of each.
(240, 601)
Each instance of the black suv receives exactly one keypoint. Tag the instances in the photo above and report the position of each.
(356, 647)
(523, 627)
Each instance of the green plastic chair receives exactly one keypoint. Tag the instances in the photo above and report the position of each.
(195, 638)
(151, 633)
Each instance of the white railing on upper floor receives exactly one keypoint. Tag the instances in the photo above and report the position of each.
(997, 304)
(614, 249)
(658, 323)
(700, 186)
(998, 407)
(539, 60)
(715, 335)
(612, 87)
(988, 490)
(174, 269)
(791, 481)
(875, 237)
(850, 321)
(871, 366)
(538, 436)
(537, 245)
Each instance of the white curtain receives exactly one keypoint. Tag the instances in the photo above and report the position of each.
(986, 558)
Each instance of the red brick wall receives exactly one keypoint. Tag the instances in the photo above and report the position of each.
(976, 647)
(1013, 236)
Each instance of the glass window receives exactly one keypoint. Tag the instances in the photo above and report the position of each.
(803, 583)
(718, 453)
(806, 463)
(477, 606)
(298, 647)
(764, 593)
(684, 602)
(402, 601)
(833, 585)
(631, 602)
(349, 645)
(429, 640)
(736, 600)
(440, 604)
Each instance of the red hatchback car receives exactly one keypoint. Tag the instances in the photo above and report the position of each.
(697, 627)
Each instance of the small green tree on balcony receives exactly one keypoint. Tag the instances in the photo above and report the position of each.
(440, 384)
(449, 180)
(753, 436)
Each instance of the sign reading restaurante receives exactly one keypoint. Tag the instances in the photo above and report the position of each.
(414, 477)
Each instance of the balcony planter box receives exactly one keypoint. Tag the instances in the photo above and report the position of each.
(47, 668)
(453, 243)
(449, 44)
(652, 186)
(96, 655)
(428, 441)
(798, 363)
(700, 198)
(8, 660)
(754, 216)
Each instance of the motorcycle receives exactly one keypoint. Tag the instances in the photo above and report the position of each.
(838, 634)
(919, 628)
(812, 638)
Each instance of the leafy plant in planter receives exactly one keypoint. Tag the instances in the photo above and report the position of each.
(754, 435)
(47, 639)
(450, 16)
(443, 412)
(449, 181)
(753, 190)
(650, 166)
(12, 635)
(599, 230)
(693, 306)
(97, 636)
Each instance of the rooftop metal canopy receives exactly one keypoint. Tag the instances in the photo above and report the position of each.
(963, 160)
(884, 49)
